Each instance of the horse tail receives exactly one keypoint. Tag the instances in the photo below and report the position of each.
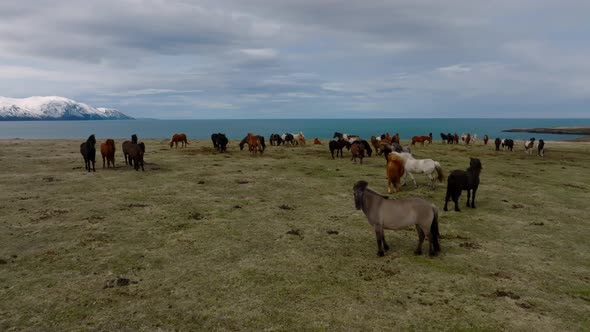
(434, 233)
(439, 171)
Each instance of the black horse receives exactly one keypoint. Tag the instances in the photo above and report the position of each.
(88, 151)
(275, 139)
(445, 138)
(219, 142)
(497, 142)
(288, 138)
(508, 143)
(367, 147)
(541, 148)
(460, 180)
(337, 145)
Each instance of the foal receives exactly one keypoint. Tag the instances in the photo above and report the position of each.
(383, 213)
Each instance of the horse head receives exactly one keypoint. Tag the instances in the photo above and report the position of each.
(91, 140)
(475, 164)
(359, 190)
(134, 139)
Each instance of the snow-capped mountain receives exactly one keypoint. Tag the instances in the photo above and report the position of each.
(54, 108)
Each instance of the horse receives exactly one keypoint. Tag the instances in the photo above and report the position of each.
(178, 138)
(344, 136)
(136, 152)
(316, 141)
(541, 148)
(254, 144)
(456, 138)
(528, 145)
(393, 147)
(337, 145)
(426, 166)
(88, 152)
(107, 150)
(497, 142)
(376, 144)
(394, 170)
(299, 138)
(444, 138)
(474, 138)
(450, 138)
(383, 213)
(125, 147)
(485, 139)
(421, 139)
(367, 147)
(260, 140)
(219, 142)
(275, 139)
(288, 138)
(508, 143)
(357, 150)
(467, 138)
(460, 180)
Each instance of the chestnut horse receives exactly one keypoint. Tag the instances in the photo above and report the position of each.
(421, 139)
(485, 139)
(178, 138)
(107, 150)
(395, 170)
(317, 141)
(254, 144)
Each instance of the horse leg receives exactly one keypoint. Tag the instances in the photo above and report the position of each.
(379, 235)
(93, 162)
(413, 179)
(447, 198)
(385, 246)
(468, 197)
(432, 179)
(456, 200)
(473, 198)
(421, 236)
(103, 160)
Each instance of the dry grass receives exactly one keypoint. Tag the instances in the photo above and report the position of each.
(233, 242)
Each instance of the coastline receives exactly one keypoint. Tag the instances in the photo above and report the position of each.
(559, 131)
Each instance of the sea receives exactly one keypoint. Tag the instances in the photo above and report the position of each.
(312, 128)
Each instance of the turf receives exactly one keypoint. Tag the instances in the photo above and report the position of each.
(209, 241)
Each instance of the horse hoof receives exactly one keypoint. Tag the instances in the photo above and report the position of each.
(445, 208)
(380, 254)
(417, 252)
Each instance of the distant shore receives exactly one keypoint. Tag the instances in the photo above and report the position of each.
(557, 130)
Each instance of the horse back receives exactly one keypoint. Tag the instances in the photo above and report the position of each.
(406, 212)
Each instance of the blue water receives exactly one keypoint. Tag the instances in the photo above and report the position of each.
(321, 128)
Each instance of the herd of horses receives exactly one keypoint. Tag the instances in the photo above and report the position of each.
(382, 213)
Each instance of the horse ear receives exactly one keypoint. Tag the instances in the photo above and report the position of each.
(361, 185)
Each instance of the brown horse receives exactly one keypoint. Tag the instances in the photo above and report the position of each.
(395, 171)
(107, 149)
(317, 141)
(357, 150)
(421, 139)
(485, 139)
(456, 138)
(178, 138)
(467, 138)
(254, 144)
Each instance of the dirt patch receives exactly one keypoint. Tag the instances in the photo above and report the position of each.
(201, 182)
(196, 216)
(286, 207)
(500, 293)
(25, 198)
(295, 232)
(237, 207)
(517, 206)
(50, 179)
(51, 213)
(332, 232)
(501, 275)
(453, 236)
(524, 305)
(575, 186)
(470, 245)
(537, 223)
(3, 261)
(137, 205)
(243, 181)
(118, 282)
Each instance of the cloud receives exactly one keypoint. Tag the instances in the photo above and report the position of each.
(400, 57)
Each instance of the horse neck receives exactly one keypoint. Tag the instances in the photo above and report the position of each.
(370, 198)
(474, 171)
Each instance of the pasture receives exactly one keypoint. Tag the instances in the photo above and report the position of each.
(210, 241)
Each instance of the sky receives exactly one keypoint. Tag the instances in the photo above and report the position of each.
(180, 59)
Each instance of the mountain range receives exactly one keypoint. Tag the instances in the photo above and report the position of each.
(54, 108)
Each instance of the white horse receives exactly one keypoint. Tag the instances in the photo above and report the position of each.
(299, 138)
(417, 166)
(474, 138)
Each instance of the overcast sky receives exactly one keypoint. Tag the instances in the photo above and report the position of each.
(302, 58)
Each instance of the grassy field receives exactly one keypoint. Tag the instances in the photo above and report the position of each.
(208, 241)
